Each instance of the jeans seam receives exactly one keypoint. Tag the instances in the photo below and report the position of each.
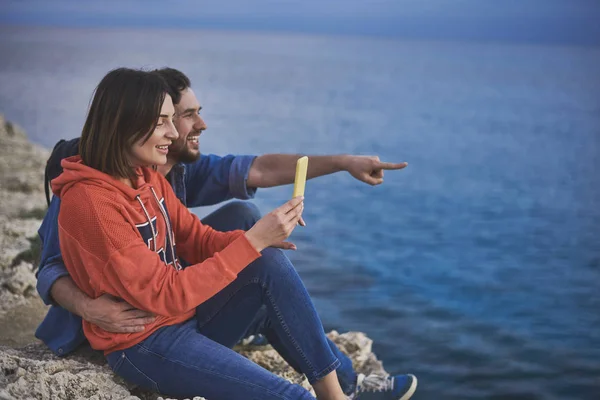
(118, 363)
(319, 375)
(141, 372)
(286, 329)
(314, 374)
(146, 350)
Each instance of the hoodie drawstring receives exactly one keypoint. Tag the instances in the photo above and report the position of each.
(169, 229)
(149, 221)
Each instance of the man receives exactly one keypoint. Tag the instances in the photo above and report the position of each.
(197, 181)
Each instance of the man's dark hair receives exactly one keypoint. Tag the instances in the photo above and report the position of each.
(176, 80)
(125, 108)
(62, 149)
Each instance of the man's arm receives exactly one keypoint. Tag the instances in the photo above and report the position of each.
(280, 169)
(213, 179)
(56, 286)
(68, 296)
(109, 313)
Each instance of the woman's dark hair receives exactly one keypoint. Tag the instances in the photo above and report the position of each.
(125, 108)
(176, 80)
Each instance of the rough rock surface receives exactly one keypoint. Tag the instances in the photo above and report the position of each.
(34, 372)
(23, 204)
(27, 368)
(21, 168)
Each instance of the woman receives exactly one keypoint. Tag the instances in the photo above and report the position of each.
(121, 232)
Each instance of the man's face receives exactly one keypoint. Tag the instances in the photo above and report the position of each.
(189, 125)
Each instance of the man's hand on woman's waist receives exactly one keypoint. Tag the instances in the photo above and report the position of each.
(115, 315)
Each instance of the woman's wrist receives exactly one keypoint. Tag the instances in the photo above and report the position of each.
(254, 241)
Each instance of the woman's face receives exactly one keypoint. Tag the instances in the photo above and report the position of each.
(154, 150)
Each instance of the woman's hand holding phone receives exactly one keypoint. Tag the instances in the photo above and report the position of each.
(276, 226)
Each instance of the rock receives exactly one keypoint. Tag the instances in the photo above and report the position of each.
(33, 371)
(23, 204)
(21, 189)
(17, 273)
(16, 236)
(22, 170)
(359, 347)
(19, 280)
(355, 344)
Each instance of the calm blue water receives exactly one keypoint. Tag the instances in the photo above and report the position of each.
(476, 268)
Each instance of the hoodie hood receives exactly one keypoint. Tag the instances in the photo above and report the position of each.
(75, 172)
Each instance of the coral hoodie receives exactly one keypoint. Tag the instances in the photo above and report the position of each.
(125, 242)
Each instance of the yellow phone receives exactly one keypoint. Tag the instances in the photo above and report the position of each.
(300, 180)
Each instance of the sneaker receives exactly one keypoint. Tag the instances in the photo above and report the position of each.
(381, 387)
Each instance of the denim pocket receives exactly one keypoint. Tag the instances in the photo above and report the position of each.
(132, 374)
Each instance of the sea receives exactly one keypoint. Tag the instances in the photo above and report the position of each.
(476, 268)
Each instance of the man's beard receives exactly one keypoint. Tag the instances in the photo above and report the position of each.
(185, 155)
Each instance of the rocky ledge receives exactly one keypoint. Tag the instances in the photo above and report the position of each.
(27, 368)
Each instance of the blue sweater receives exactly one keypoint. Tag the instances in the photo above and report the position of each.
(210, 180)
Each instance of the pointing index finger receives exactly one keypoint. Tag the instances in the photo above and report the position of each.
(387, 165)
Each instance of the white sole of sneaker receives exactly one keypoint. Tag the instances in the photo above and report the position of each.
(411, 390)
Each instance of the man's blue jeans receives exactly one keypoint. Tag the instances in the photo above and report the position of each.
(194, 358)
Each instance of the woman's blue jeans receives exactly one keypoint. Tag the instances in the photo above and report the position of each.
(194, 358)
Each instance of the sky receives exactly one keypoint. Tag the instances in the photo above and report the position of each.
(553, 21)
